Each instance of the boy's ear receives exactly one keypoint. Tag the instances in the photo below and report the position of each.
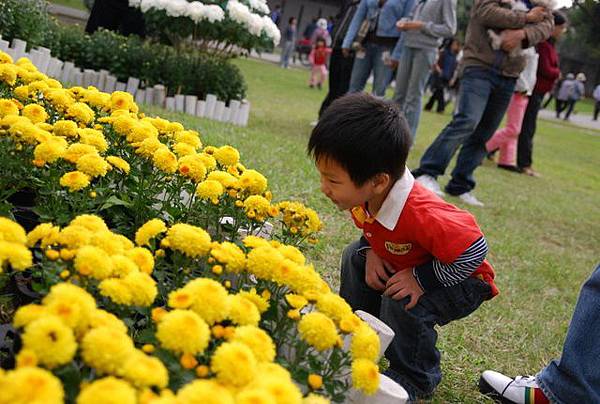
(381, 181)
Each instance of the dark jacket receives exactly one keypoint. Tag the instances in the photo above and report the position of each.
(548, 70)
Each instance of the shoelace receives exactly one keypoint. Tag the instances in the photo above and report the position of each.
(520, 381)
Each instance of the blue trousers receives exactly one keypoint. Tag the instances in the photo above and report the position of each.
(371, 60)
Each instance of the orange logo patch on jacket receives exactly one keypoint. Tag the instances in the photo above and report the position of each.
(398, 249)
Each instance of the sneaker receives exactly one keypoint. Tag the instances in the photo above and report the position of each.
(503, 389)
(470, 199)
(314, 123)
(431, 184)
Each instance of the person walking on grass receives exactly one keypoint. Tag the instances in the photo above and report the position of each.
(289, 43)
(373, 37)
(443, 71)
(575, 377)
(548, 73)
(486, 87)
(562, 97)
(420, 262)
(574, 94)
(321, 32)
(318, 61)
(429, 23)
(596, 96)
(506, 139)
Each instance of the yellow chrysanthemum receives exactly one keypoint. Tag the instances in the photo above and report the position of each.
(191, 166)
(19, 256)
(51, 340)
(81, 112)
(263, 260)
(119, 163)
(26, 314)
(365, 376)
(253, 182)
(100, 318)
(318, 330)
(75, 181)
(30, 385)
(142, 370)
(296, 301)
(91, 222)
(210, 190)
(334, 306)
(50, 150)
(65, 128)
(278, 385)
(93, 165)
(180, 299)
(122, 100)
(242, 311)
(184, 149)
(143, 258)
(227, 156)
(12, 231)
(257, 207)
(47, 233)
(205, 392)
(292, 253)
(226, 179)
(255, 396)
(8, 74)
(8, 107)
(105, 349)
(116, 290)
(261, 303)
(94, 138)
(72, 304)
(93, 261)
(350, 323)
(315, 399)
(210, 299)
(257, 340)
(183, 331)
(143, 288)
(148, 231)
(25, 358)
(122, 266)
(35, 113)
(190, 240)
(165, 160)
(77, 150)
(74, 236)
(365, 344)
(107, 390)
(234, 364)
(189, 137)
(230, 255)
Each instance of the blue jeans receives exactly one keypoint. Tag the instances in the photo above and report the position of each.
(414, 358)
(371, 61)
(413, 70)
(483, 97)
(286, 53)
(575, 378)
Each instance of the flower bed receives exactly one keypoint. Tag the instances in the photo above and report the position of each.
(153, 284)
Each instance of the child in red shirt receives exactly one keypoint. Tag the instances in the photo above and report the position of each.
(318, 61)
(421, 261)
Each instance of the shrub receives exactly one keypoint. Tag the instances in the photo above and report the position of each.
(24, 19)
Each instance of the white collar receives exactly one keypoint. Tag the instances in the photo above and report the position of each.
(394, 202)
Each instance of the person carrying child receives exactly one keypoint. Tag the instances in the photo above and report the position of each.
(318, 62)
(420, 262)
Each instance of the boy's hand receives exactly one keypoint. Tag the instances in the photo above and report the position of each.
(536, 14)
(375, 274)
(403, 284)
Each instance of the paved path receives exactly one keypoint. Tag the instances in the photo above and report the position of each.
(68, 14)
(583, 121)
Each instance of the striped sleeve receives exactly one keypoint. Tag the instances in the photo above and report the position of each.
(436, 274)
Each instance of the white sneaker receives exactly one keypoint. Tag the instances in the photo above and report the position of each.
(431, 184)
(470, 199)
(314, 123)
(520, 390)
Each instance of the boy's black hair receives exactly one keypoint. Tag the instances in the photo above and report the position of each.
(363, 134)
(559, 18)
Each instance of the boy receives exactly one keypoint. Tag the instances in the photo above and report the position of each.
(421, 261)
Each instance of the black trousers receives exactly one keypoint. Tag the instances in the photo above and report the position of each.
(115, 15)
(437, 96)
(340, 71)
(596, 110)
(570, 104)
(525, 148)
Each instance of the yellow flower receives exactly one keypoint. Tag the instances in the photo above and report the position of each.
(59, 98)
(30, 385)
(191, 166)
(28, 313)
(189, 137)
(81, 112)
(227, 156)
(5, 58)
(65, 128)
(35, 113)
(122, 100)
(315, 381)
(50, 150)
(209, 161)
(165, 160)
(255, 396)
(204, 392)
(213, 306)
(8, 107)
(315, 399)
(148, 231)
(116, 290)
(190, 240)
(91, 222)
(93, 261)
(188, 361)
(26, 358)
(234, 363)
(12, 231)
(184, 149)
(105, 349)
(47, 233)
(51, 340)
(262, 261)
(209, 189)
(72, 304)
(77, 150)
(296, 301)
(253, 182)
(100, 318)
(142, 370)
(93, 165)
(230, 255)
(365, 344)
(143, 288)
(149, 146)
(242, 311)
(292, 253)
(334, 306)
(8, 74)
(202, 371)
(107, 390)
(350, 323)
(119, 163)
(74, 236)
(257, 340)
(365, 376)
(94, 138)
(16, 254)
(75, 181)
(318, 330)
(261, 303)
(143, 258)
(183, 331)
(257, 207)
(278, 385)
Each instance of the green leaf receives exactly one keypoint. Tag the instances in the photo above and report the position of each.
(114, 201)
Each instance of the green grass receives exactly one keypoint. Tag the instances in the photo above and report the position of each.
(78, 4)
(543, 233)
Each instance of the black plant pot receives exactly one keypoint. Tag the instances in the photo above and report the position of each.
(23, 203)
(10, 344)
(23, 281)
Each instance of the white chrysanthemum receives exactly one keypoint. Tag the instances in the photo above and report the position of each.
(214, 13)
(271, 30)
(259, 5)
(176, 8)
(134, 3)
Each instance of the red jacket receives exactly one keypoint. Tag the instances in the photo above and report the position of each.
(318, 56)
(548, 70)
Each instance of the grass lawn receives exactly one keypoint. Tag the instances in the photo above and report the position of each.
(78, 4)
(544, 233)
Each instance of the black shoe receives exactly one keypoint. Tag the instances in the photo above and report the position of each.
(490, 155)
(510, 168)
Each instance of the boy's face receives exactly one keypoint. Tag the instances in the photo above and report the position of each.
(337, 185)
